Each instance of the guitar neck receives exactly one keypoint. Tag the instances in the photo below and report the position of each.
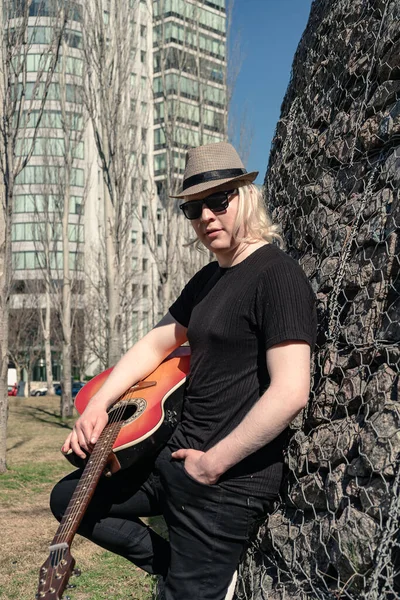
(87, 484)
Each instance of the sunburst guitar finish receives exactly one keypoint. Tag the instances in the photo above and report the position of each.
(150, 410)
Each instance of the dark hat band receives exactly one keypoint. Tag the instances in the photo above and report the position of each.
(212, 176)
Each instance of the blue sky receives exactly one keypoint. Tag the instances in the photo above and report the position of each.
(269, 32)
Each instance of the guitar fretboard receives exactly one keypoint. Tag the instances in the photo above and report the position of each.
(87, 484)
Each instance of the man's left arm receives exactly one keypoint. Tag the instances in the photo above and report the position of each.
(288, 366)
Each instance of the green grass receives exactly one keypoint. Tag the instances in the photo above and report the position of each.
(31, 478)
(35, 463)
(119, 581)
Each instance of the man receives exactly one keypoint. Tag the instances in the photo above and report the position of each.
(250, 320)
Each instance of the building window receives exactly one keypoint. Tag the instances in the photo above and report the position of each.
(135, 325)
(144, 211)
(142, 56)
(143, 238)
(158, 214)
(146, 322)
(145, 265)
(144, 185)
(145, 291)
(159, 239)
(134, 237)
(54, 175)
(160, 164)
(144, 134)
(143, 30)
(134, 263)
(144, 160)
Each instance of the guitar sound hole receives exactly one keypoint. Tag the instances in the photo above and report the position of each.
(128, 413)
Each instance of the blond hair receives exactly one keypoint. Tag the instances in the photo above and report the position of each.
(252, 214)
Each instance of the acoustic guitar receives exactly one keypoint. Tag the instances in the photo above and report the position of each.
(140, 423)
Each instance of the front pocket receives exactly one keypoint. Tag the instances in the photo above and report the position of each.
(189, 476)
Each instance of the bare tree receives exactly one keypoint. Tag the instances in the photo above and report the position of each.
(191, 109)
(14, 106)
(111, 101)
(24, 329)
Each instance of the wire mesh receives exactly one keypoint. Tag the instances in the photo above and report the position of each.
(333, 185)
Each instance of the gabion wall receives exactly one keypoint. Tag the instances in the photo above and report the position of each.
(333, 184)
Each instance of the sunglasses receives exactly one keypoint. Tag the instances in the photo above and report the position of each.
(217, 202)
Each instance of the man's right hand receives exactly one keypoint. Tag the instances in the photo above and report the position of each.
(86, 430)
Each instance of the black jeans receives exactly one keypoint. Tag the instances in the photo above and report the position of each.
(208, 526)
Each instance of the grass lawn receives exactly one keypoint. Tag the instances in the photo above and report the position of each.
(35, 463)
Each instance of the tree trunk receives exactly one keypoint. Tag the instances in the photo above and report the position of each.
(66, 403)
(47, 342)
(5, 270)
(112, 274)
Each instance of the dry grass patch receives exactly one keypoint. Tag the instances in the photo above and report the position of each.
(35, 435)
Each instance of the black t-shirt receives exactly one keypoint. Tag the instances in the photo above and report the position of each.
(233, 316)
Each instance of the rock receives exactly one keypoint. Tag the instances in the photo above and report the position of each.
(382, 388)
(324, 404)
(369, 133)
(335, 363)
(385, 94)
(357, 468)
(340, 148)
(291, 538)
(390, 328)
(380, 440)
(389, 65)
(353, 489)
(354, 543)
(308, 493)
(329, 445)
(363, 319)
(334, 486)
(375, 499)
(391, 168)
(326, 274)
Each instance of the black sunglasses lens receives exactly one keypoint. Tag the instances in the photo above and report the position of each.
(193, 209)
(217, 203)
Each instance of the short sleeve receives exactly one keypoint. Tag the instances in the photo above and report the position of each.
(181, 309)
(284, 306)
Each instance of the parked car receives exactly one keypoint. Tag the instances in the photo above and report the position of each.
(76, 386)
(12, 390)
(40, 391)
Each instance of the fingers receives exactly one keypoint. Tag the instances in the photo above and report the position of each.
(85, 433)
(67, 444)
(98, 428)
(180, 454)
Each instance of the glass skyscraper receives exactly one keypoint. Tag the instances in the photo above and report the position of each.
(178, 74)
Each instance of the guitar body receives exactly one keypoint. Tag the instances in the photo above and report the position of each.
(139, 424)
(153, 410)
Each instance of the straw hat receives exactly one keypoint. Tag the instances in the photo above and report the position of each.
(213, 168)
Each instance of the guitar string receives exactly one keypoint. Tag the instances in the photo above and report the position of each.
(115, 417)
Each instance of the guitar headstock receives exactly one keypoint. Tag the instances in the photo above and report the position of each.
(55, 573)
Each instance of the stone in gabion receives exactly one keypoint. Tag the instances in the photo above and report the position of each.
(375, 498)
(308, 493)
(382, 387)
(332, 444)
(380, 440)
(353, 545)
(334, 486)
